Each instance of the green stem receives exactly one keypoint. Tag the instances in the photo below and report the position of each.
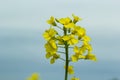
(66, 63)
(67, 56)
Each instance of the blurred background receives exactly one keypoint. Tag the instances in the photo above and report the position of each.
(22, 23)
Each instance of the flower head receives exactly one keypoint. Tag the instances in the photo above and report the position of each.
(64, 21)
(50, 33)
(71, 40)
(34, 76)
(79, 31)
(51, 46)
(76, 18)
(91, 56)
(69, 25)
(70, 69)
(73, 78)
(51, 21)
(78, 54)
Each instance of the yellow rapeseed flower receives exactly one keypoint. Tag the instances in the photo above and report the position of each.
(73, 78)
(50, 33)
(48, 55)
(69, 25)
(76, 18)
(79, 31)
(51, 46)
(60, 41)
(54, 57)
(70, 69)
(71, 40)
(74, 58)
(64, 21)
(52, 60)
(77, 50)
(78, 54)
(34, 76)
(86, 38)
(91, 56)
(88, 47)
(51, 21)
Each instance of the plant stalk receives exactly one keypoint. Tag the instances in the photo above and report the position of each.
(67, 56)
(66, 63)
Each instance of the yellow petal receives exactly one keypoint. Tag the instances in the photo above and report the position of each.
(64, 21)
(81, 57)
(50, 33)
(52, 61)
(90, 56)
(76, 18)
(66, 38)
(51, 21)
(73, 41)
(53, 44)
(34, 76)
(73, 78)
(86, 38)
(81, 32)
(48, 55)
(56, 56)
(76, 49)
(70, 69)
(46, 36)
(70, 25)
(74, 58)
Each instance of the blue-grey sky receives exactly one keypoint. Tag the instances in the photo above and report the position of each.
(22, 23)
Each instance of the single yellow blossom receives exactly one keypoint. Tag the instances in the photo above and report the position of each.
(76, 18)
(78, 54)
(50, 33)
(70, 69)
(52, 60)
(78, 50)
(54, 57)
(91, 56)
(69, 25)
(86, 38)
(34, 76)
(79, 31)
(73, 78)
(88, 47)
(51, 21)
(71, 40)
(48, 55)
(60, 41)
(51, 46)
(82, 49)
(64, 21)
(74, 58)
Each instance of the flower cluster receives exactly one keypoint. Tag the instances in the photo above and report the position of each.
(76, 34)
(73, 37)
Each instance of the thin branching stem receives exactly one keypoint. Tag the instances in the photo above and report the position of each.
(61, 52)
(61, 46)
(62, 59)
(59, 27)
